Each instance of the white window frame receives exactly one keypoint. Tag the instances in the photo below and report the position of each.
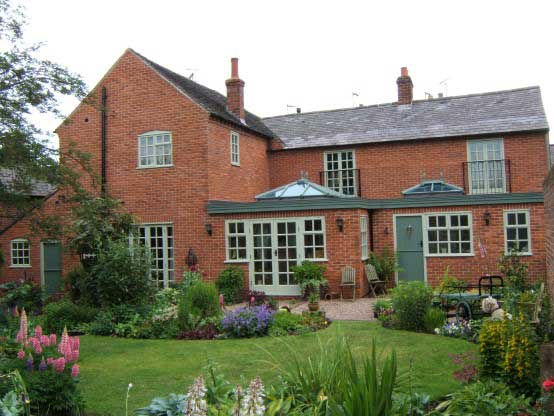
(228, 235)
(354, 172)
(364, 237)
(528, 224)
(486, 189)
(167, 281)
(25, 248)
(448, 228)
(303, 232)
(234, 147)
(153, 134)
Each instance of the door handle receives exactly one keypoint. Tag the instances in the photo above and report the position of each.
(421, 243)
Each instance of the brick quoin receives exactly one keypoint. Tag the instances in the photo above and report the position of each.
(140, 100)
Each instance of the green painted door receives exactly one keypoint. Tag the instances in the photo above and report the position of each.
(409, 245)
(52, 266)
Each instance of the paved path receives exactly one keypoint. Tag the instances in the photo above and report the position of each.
(360, 310)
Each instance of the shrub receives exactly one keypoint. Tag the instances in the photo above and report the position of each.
(285, 322)
(386, 263)
(434, 318)
(230, 283)
(381, 305)
(108, 320)
(200, 302)
(21, 294)
(119, 276)
(309, 276)
(73, 281)
(190, 278)
(410, 301)
(451, 284)
(514, 270)
(247, 322)
(487, 398)
(66, 314)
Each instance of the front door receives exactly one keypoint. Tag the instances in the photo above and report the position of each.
(409, 246)
(274, 252)
(51, 267)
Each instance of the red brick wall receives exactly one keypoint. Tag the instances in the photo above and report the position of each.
(236, 183)
(492, 237)
(386, 169)
(343, 248)
(549, 231)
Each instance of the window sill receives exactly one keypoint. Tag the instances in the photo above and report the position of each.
(450, 255)
(518, 254)
(316, 260)
(154, 167)
(27, 266)
(236, 261)
(236, 165)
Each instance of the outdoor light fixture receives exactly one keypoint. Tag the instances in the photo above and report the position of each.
(487, 217)
(340, 223)
(386, 232)
(191, 259)
(208, 227)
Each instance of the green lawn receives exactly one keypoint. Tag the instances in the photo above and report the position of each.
(159, 367)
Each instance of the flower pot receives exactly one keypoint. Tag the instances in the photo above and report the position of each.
(313, 306)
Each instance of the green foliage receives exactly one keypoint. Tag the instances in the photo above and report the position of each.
(381, 305)
(190, 278)
(230, 283)
(66, 314)
(11, 405)
(172, 405)
(309, 276)
(487, 398)
(119, 276)
(433, 318)
(23, 294)
(201, 301)
(451, 284)
(285, 323)
(73, 280)
(415, 404)
(386, 263)
(410, 301)
(514, 270)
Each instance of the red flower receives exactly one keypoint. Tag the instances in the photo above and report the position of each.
(548, 385)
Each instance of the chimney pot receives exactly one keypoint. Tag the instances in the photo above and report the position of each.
(298, 110)
(405, 87)
(234, 68)
(404, 71)
(235, 91)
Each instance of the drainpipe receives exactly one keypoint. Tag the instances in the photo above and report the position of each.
(103, 138)
(370, 216)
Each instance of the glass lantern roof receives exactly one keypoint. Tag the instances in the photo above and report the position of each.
(302, 188)
(433, 187)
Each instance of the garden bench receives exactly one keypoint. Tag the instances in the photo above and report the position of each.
(373, 280)
(348, 279)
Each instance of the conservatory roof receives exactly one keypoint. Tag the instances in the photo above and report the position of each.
(302, 188)
(432, 187)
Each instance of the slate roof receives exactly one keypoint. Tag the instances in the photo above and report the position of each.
(493, 112)
(211, 100)
(38, 188)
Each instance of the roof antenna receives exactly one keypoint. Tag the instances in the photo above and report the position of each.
(289, 106)
(444, 84)
(193, 71)
(354, 94)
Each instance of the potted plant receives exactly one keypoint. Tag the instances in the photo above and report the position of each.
(313, 301)
(309, 277)
(379, 306)
(386, 263)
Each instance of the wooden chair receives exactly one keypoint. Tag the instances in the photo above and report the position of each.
(538, 307)
(373, 280)
(348, 279)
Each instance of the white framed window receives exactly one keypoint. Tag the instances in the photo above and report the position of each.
(449, 234)
(364, 237)
(486, 166)
(159, 239)
(155, 149)
(235, 148)
(517, 232)
(314, 239)
(340, 172)
(20, 253)
(236, 241)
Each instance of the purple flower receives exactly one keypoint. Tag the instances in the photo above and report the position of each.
(30, 363)
(247, 321)
(43, 365)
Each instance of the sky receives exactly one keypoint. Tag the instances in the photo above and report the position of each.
(309, 54)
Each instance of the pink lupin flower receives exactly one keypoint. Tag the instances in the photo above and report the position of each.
(21, 354)
(75, 371)
(45, 340)
(53, 339)
(37, 347)
(59, 364)
(75, 356)
(23, 329)
(64, 342)
(38, 332)
(75, 343)
(50, 361)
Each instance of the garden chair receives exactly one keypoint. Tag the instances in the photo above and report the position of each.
(348, 279)
(373, 280)
(535, 320)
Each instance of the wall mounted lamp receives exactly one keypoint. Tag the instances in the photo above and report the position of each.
(487, 217)
(209, 228)
(191, 259)
(340, 224)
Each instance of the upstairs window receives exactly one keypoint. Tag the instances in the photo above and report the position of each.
(449, 235)
(235, 149)
(155, 149)
(517, 232)
(486, 166)
(340, 172)
(20, 253)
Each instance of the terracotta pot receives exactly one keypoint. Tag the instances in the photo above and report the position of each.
(313, 306)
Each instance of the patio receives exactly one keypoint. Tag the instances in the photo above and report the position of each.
(359, 310)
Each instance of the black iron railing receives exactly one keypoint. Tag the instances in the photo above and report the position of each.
(487, 177)
(345, 181)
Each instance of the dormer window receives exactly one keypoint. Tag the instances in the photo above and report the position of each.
(235, 149)
(155, 149)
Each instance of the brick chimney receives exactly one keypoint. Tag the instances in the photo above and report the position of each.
(405, 87)
(235, 90)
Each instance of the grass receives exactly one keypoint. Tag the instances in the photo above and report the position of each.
(160, 367)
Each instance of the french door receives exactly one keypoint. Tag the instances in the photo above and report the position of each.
(274, 251)
(487, 173)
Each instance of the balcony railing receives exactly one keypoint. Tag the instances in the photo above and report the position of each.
(487, 177)
(345, 181)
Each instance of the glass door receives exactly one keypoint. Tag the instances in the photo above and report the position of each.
(262, 256)
(287, 256)
(486, 167)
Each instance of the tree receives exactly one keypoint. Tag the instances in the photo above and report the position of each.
(29, 84)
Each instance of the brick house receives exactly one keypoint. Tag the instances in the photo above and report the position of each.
(441, 181)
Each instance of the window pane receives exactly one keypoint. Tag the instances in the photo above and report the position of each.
(511, 233)
(521, 218)
(511, 219)
(522, 233)
(441, 221)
